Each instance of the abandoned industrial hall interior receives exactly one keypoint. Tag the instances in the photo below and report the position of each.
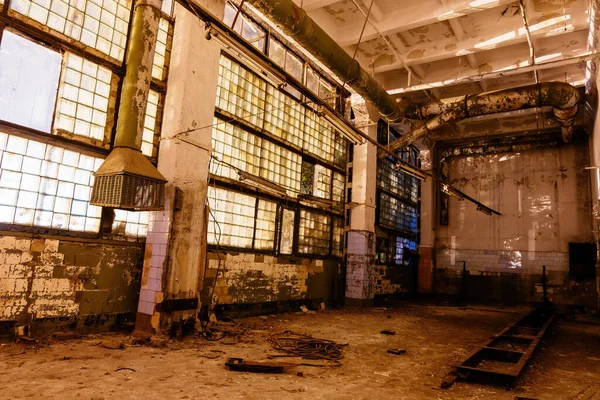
(303, 199)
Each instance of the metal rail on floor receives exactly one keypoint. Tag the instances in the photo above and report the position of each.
(507, 353)
(505, 356)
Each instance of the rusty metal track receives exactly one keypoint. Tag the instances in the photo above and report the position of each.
(505, 356)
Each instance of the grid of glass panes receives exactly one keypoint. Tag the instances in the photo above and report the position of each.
(339, 184)
(400, 245)
(319, 136)
(130, 223)
(83, 98)
(234, 146)
(231, 222)
(320, 87)
(265, 225)
(337, 247)
(159, 70)
(240, 92)
(245, 27)
(284, 116)
(322, 182)
(281, 166)
(340, 149)
(396, 214)
(397, 182)
(100, 24)
(47, 186)
(313, 235)
(150, 134)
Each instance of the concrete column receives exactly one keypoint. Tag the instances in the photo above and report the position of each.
(594, 146)
(175, 253)
(426, 245)
(361, 237)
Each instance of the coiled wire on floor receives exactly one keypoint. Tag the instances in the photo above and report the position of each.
(306, 346)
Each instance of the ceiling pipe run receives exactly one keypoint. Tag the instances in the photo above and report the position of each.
(297, 24)
(563, 98)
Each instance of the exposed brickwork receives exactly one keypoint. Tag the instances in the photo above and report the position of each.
(58, 278)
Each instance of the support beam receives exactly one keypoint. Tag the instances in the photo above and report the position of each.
(510, 34)
(497, 74)
(416, 15)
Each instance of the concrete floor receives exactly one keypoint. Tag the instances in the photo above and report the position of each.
(566, 365)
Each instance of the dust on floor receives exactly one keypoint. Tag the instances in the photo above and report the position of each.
(566, 365)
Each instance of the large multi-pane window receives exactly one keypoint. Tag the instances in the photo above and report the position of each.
(267, 139)
(398, 203)
(59, 88)
(284, 57)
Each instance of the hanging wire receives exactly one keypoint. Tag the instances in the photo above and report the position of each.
(362, 31)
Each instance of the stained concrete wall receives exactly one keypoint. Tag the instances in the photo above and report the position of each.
(256, 278)
(49, 283)
(544, 198)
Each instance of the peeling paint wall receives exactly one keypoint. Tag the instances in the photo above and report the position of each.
(544, 198)
(256, 278)
(60, 282)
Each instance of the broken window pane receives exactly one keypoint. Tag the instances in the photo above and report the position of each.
(130, 223)
(287, 232)
(337, 247)
(308, 177)
(159, 70)
(322, 182)
(231, 222)
(265, 225)
(45, 185)
(101, 25)
(151, 132)
(83, 96)
(28, 82)
(313, 236)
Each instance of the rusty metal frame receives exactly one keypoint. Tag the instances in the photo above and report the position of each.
(528, 331)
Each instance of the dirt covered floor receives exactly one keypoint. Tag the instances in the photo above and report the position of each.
(566, 365)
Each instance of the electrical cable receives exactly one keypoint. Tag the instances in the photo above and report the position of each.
(359, 40)
(205, 331)
(306, 346)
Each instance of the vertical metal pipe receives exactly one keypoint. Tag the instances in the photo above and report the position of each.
(136, 84)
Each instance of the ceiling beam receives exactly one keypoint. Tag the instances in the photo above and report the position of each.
(508, 34)
(310, 5)
(414, 16)
(497, 74)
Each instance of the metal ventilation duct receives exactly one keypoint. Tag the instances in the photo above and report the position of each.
(297, 24)
(126, 179)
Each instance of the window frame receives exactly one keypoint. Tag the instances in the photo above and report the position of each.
(44, 36)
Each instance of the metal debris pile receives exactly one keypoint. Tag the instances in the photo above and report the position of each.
(306, 346)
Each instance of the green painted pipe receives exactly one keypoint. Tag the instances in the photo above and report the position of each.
(297, 24)
(136, 84)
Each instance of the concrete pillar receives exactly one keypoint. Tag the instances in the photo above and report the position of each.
(426, 245)
(175, 253)
(361, 237)
(594, 145)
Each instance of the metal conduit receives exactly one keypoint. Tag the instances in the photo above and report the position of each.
(297, 24)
